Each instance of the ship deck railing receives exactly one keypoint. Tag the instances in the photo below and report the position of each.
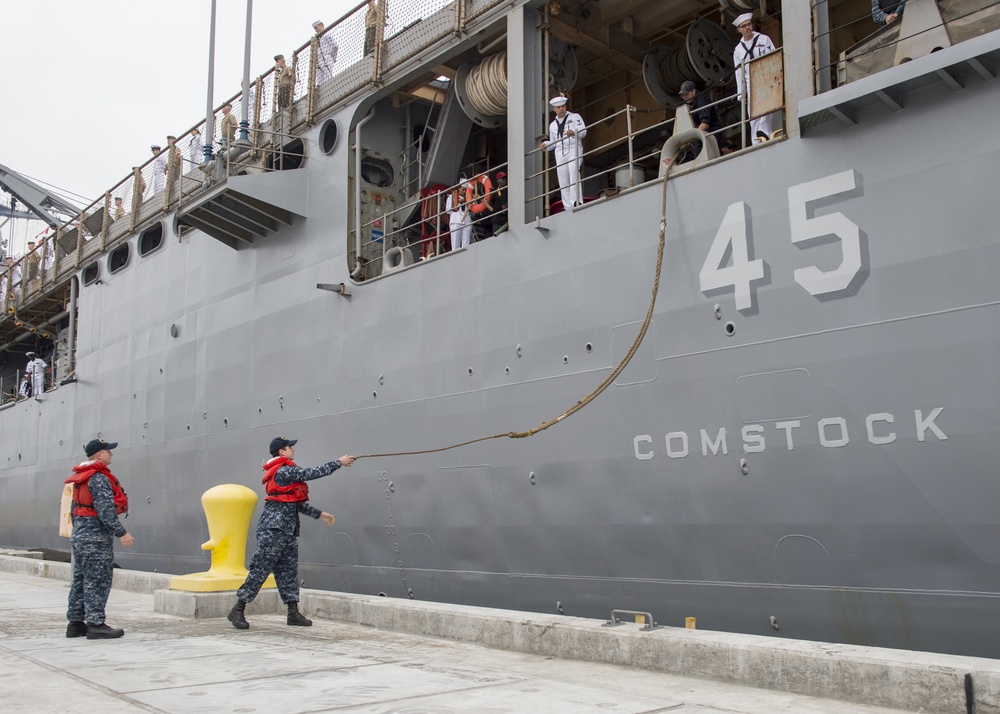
(642, 146)
(402, 227)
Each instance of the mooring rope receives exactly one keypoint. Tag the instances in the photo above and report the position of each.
(486, 85)
(612, 376)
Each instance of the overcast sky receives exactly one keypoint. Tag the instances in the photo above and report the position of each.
(88, 85)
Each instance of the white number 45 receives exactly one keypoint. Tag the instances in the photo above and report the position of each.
(730, 263)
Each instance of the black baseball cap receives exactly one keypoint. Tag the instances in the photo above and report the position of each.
(279, 442)
(95, 445)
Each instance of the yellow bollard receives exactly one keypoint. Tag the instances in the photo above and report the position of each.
(690, 623)
(228, 510)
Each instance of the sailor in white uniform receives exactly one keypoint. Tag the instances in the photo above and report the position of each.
(36, 371)
(459, 219)
(566, 134)
(159, 169)
(327, 55)
(196, 148)
(752, 45)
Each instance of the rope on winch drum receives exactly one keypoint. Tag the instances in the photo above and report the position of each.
(612, 376)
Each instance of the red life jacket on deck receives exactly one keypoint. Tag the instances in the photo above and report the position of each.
(83, 500)
(292, 493)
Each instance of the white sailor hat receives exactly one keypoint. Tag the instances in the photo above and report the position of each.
(558, 101)
(317, 22)
(742, 18)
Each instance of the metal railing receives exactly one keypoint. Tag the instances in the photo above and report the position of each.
(636, 158)
(353, 53)
(424, 231)
(10, 390)
(423, 226)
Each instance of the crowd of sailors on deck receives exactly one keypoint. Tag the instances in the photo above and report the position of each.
(168, 164)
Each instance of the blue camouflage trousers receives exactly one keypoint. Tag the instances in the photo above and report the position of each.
(277, 553)
(88, 593)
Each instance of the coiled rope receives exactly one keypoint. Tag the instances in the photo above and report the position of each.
(486, 85)
(612, 376)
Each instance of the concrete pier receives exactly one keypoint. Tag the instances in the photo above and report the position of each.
(386, 655)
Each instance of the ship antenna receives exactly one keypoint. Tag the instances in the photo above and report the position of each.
(612, 376)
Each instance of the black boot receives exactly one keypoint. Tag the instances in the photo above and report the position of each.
(103, 632)
(297, 618)
(76, 628)
(236, 617)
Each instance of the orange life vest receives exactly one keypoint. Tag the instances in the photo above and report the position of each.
(292, 493)
(83, 499)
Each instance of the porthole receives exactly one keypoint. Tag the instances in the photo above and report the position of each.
(91, 273)
(328, 135)
(118, 258)
(150, 239)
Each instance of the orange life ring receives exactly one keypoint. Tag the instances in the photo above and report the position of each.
(480, 203)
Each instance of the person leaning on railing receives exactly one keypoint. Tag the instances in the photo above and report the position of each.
(887, 11)
(703, 116)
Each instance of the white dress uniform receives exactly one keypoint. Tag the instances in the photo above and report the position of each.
(568, 156)
(758, 46)
(196, 150)
(36, 370)
(160, 172)
(327, 57)
(459, 222)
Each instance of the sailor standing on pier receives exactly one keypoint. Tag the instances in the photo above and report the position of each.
(98, 499)
(278, 530)
(753, 45)
(566, 134)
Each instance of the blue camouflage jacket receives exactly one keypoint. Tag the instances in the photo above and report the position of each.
(284, 516)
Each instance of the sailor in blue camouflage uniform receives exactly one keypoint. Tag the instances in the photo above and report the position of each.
(278, 530)
(98, 499)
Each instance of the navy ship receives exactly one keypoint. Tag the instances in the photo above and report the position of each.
(799, 443)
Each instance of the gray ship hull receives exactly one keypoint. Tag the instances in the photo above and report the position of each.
(822, 460)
